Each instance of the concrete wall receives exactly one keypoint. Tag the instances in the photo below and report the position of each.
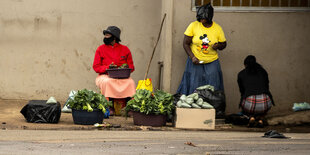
(47, 46)
(280, 41)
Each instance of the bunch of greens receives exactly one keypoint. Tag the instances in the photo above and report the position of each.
(123, 66)
(114, 66)
(89, 100)
(145, 102)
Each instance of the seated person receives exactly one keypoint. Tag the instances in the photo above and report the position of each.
(256, 99)
(116, 54)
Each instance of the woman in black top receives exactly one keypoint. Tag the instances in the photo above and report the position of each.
(256, 98)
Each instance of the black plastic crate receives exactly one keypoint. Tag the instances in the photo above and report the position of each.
(119, 73)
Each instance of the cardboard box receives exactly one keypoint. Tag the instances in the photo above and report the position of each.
(192, 118)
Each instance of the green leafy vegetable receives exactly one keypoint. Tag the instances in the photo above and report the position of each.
(145, 102)
(123, 66)
(165, 101)
(89, 100)
(112, 66)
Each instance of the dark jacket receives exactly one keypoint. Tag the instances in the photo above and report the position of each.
(253, 84)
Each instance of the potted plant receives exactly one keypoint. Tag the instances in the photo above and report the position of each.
(88, 107)
(150, 109)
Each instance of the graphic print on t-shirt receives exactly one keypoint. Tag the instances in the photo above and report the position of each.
(205, 43)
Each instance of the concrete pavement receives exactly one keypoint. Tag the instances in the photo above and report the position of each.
(12, 119)
(19, 137)
(149, 142)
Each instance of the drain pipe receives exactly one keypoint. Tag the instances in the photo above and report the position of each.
(160, 65)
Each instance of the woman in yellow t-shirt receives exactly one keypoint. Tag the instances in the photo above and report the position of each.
(202, 39)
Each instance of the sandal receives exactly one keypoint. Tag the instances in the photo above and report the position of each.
(260, 124)
(251, 122)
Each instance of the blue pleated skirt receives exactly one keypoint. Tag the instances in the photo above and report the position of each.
(198, 75)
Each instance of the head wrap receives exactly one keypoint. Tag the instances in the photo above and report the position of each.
(205, 12)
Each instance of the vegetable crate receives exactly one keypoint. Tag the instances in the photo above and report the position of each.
(189, 118)
(87, 118)
(119, 73)
(148, 120)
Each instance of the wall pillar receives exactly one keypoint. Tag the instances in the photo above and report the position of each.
(166, 41)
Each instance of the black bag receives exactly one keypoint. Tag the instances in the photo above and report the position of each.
(237, 119)
(216, 99)
(171, 118)
(176, 98)
(37, 111)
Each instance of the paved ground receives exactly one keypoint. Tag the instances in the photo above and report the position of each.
(149, 142)
(19, 137)
(12, 119)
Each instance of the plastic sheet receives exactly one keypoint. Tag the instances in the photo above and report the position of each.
(301, 106)
(37, 111)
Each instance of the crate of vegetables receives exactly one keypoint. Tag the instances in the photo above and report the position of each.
(193, 112)
(121, 72)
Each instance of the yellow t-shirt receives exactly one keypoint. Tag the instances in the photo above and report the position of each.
(203, 39)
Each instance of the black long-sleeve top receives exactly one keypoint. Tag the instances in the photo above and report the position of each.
(253, 84)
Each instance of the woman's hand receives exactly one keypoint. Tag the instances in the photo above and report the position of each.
(195, 60)
(219, 45)
(215, 46)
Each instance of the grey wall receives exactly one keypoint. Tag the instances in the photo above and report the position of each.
(47, 46)
(280, 42)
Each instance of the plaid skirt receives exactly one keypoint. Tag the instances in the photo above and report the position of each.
(256, 104)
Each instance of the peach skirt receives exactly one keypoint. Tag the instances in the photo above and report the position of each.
(116, 88)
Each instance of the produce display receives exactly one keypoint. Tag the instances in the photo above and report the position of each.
(89, 100)
(123, 66)
(206, 87)
(144, 101)
(193, 101)
(114, 66)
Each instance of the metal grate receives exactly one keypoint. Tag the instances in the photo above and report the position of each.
(280, 5)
